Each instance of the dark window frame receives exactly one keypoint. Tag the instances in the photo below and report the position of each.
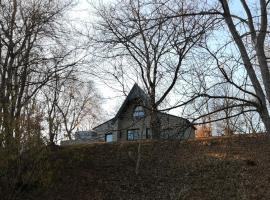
(147, 133)
(106, 134)
(168, 133)
(134, 129)
(119, 134)
(138, 115)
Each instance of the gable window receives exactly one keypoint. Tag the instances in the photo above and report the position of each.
(133, 134)
(108, 137)
(138, 112)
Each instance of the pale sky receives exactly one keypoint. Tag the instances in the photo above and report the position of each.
(84, 12)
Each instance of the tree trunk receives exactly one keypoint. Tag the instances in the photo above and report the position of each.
(264, 114)
(259, 43)
(51, 139)
(155, 124)
(69, 134)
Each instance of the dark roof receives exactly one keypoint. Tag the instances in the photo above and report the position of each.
(135, 93)
(167, 114)
(110, 120)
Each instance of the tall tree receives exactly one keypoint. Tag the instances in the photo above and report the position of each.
(153, 49)
(32, 44)
(245, 45)
(78, 102)
(250, 37)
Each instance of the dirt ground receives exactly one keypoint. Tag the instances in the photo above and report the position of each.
(217, 168)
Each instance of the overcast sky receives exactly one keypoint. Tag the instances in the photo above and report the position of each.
(84, 12)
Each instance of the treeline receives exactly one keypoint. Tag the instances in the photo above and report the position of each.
(42, 90)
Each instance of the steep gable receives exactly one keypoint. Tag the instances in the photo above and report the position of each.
(136, 93)
(138, 96)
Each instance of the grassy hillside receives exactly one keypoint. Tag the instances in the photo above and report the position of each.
(219, 168)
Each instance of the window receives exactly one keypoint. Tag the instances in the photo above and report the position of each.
(94, 134)
(133, 134)
(168, 133)
(108, 137)
(148, 134)
(119, 134)
(138, 112)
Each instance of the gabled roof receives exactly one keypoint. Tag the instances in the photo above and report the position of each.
(135, 93)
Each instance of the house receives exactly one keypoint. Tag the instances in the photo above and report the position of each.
(85, 135)
(132, 122)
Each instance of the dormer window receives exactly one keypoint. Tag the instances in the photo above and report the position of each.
(138, 112)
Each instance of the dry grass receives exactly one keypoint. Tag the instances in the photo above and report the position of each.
(217, 168)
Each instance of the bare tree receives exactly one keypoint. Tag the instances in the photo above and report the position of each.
(32, 44)
(153, 49)
(52, 97)
(246, 46)
(248, 37)
(250, 123)
(256, 29)
(78, 102)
